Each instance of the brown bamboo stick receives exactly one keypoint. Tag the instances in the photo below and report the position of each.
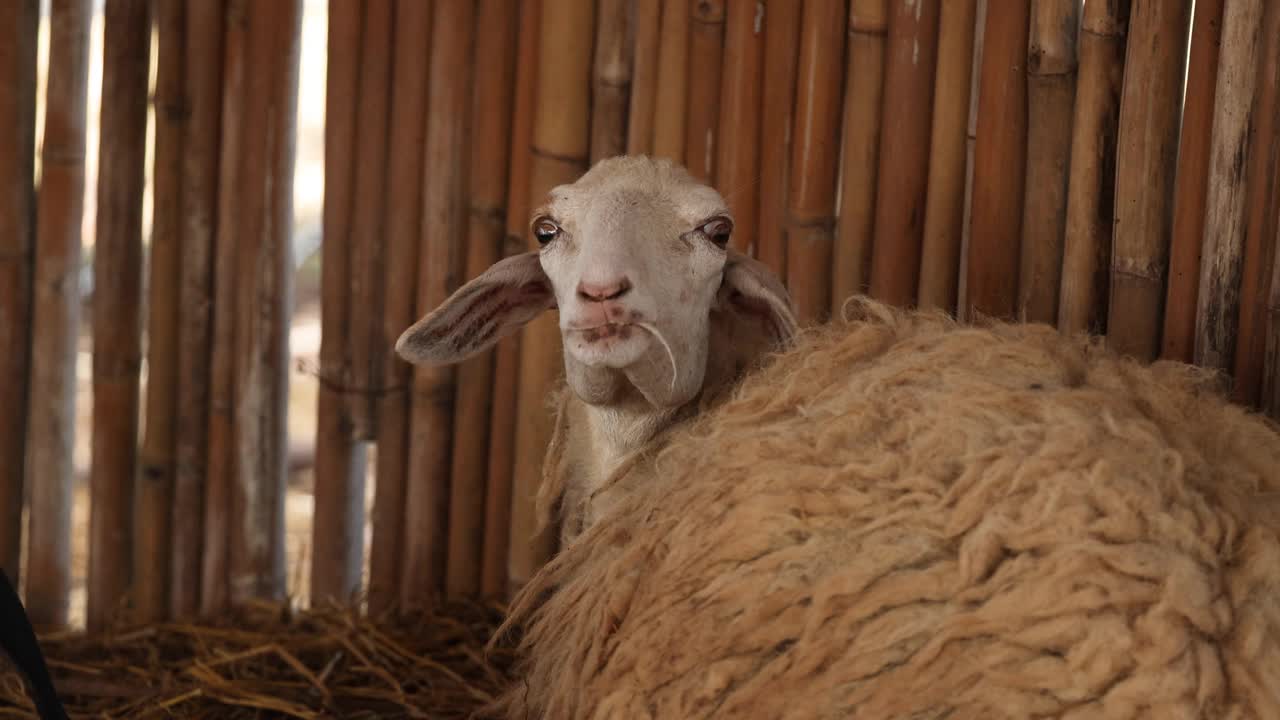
(815, 151)
(204, 49)
(1218, 303)
(1271, 360)
(970, 143)
(560, 142)
(781, 58)
(495, 55)
(944, 197)
(19, 22)
(670, 113)
(506, 370)
(910, 62)
(611, 89)
(443, 227)
(404, 228)
(117, 327)
(265, 266)
(56, 318)
(356, 154)
(706, 57)
(647, 16)
(999, 164)
(1263, 219)
(1086, 246)
(1191, 183)
(1146, 156)
(1051, 94)
(222, 473)
(738, 153)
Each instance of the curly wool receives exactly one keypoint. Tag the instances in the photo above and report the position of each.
(902, 517)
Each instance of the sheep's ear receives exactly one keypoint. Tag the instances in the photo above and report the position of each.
(493, 305)
(751, 289)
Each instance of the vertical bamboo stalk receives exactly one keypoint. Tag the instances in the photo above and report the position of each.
(561, 119)
(117, 327)
(205, 20)
(19, 22)
(781, 57)
(265, 265)
(944, 197)
(506, 371)
(970, 142)
(56, 318)
(611, 90)
(1146, 156)
(404, 228)
(738, 154)
(222, 473)
(444, 222)
(812, 192)
(903, 177)
(154, 514)
(1271, 360)
(670, 112)
(1191, 183)
(647, 19)
(1051, 94)
(1218, 304)
(1263, 206)
(490, 148)
(706, 53)
(999, 164)
(1086, 246)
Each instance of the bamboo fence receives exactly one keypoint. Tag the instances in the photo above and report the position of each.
(1036, 161)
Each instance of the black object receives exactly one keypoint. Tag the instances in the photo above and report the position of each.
(18, 639)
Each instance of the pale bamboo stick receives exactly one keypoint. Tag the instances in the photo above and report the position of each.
(781, 58)
(670, 113)
(644, 78)
(611, 78)
(706, 54)
(738, 152)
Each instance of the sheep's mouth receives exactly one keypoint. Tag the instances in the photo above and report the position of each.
(606, 331)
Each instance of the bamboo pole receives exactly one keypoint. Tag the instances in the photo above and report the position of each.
(706, 53)
(738, 153)
(444, 224)
(357, 93)
(495, 54)
(506, 371)
(670, 111)
(19, 22)
(970, 144)
(1191, 183)
(647, 17)
(404, 228)
(265, 266)
(560, 143)
(205, 20)
(1051, 94)
(56, 317)
(1263, 208)
(117, 327)
(944, 197)
(1218, 302)
(1271, 360)
(1086, 246)
(903, 177)
(611, 89)
(812, 192)
(1146, 157)
(781, 58)
(999, 164)
(222, 472)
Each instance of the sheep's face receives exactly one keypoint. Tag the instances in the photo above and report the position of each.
(635, 256)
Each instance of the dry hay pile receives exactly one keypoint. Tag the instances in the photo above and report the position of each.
(268, 662)
(902, 518)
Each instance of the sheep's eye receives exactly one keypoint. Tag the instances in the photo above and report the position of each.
(545, 231)
(718, 230)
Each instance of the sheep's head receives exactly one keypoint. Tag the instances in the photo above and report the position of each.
(635, 256)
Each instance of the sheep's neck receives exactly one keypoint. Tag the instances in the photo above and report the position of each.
(617, 431)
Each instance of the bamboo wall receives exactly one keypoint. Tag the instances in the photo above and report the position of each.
(1028, 160)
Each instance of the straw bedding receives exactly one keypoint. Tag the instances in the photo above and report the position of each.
(904, 518)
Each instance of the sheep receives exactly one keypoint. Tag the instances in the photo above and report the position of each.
(658, 315)
(905, 517)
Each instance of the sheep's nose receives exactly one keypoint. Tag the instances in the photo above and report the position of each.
(600, 292)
